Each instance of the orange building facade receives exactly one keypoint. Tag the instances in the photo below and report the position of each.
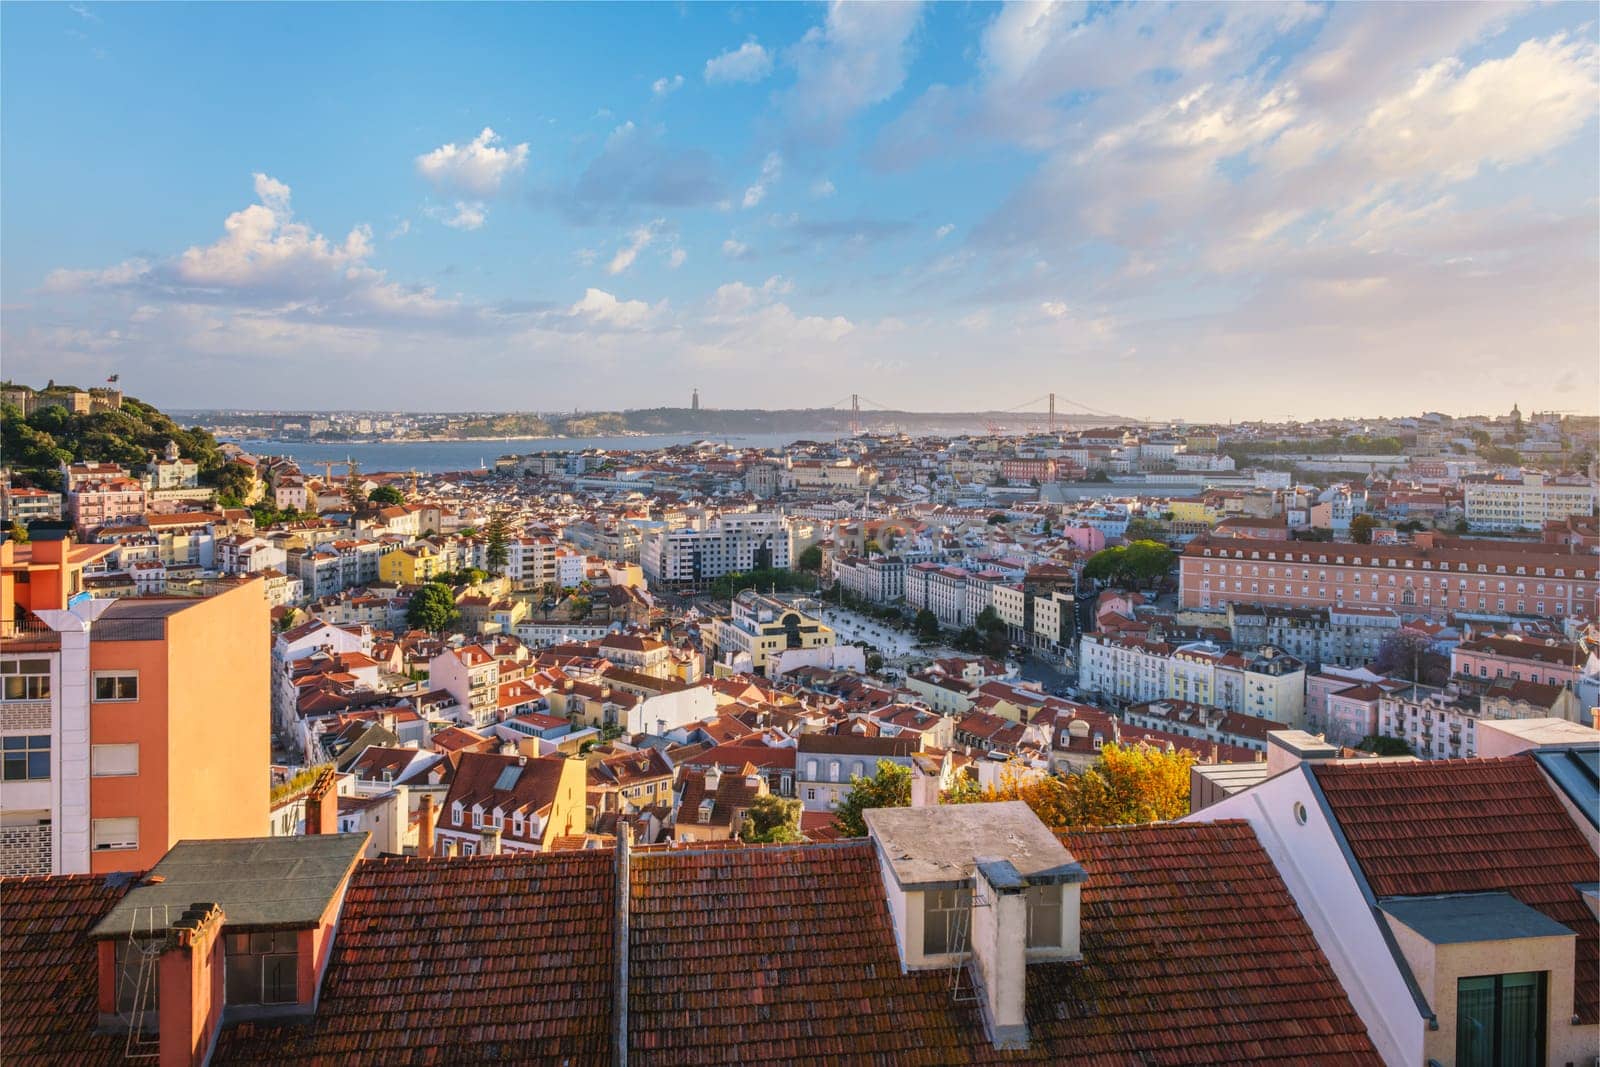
(127, 725)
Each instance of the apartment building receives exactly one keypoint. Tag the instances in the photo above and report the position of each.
(1267, 683)
(877, 580)
(509, 804)
(726, 544)
(1526, 502)
(1345, 636)
(106, 503)
(27, 505)
(1547, 660)
(1433, 576)
(940, 589)
(825, 763)
(128, 725)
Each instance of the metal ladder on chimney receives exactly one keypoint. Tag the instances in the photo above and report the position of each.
(146, 981)
(963, 987)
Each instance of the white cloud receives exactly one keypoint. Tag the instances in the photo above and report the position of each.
(664, 86)
(822, 188)
(478, 168)
(401, 228)
(602, 308)
(856, 58)
(638, 241)
(747, 63)
(771, 170)
(944, 231)
(677, 258)
(735, 249)
(465, 215)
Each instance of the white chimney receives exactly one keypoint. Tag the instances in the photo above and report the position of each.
(999, 941)
(713, 778)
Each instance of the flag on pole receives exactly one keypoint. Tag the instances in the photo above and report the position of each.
(113, 379)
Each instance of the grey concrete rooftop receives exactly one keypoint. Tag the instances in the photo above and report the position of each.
(261, 883)
(939, 846)
(1463, 917)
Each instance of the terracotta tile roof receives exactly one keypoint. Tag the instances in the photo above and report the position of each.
(419, 976)
(1467, 826)
(47, 969)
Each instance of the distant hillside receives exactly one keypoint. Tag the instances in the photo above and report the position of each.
(34, 446)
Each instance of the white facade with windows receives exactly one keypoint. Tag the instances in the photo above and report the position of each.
(727, 544)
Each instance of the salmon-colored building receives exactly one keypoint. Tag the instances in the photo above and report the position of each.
(127, 725)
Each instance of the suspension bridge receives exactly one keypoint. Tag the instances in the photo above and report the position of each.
(1049, 412)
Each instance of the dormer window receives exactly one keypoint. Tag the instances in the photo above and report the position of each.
(517, 823)
(456, 813)
(477, 817)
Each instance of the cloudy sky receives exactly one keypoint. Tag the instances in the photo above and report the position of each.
(1210, 212)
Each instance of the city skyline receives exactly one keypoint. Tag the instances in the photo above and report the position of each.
(1216, 206)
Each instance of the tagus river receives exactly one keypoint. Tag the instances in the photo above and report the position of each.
(434, 456)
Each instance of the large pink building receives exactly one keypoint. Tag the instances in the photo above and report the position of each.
(1433, 576)
(107, 503)
(1529, 659)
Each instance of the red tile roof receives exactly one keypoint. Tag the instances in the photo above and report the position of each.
(1471, 826)
(47, 970)
(452, 960)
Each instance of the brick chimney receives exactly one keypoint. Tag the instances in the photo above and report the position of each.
(322, 804)
(427, 818)
(190, 973)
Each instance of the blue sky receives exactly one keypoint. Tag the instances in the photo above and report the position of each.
(1207, 212)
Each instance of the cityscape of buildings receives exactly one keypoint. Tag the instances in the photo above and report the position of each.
(574, 684)
(800, 535)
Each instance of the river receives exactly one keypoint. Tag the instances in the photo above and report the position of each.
(435, 456)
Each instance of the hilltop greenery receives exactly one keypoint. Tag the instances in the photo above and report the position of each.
(35, 446)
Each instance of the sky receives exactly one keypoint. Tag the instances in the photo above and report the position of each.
(1190, 211)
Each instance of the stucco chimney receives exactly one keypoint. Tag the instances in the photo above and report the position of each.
(191, 993)
(713, 778)
(427, 817)
(489, 841)
(1285, 748)
(999, 942)
(322, 804)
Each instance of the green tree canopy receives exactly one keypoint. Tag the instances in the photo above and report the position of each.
(355, 497)
(1142, 562)
(387, 496)
(771, 820)
(811, 559)
(927, 624)
(498, 532)
(1361, 528)
(433, 608)
(889, 788)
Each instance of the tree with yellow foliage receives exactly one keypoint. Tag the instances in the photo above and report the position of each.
(1127, 785)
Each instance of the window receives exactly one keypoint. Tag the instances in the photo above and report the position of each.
(116, 685)
(1500, 1020)
(27, 757)
(25, 679)
(112, 835)
(455, 813)
(261, 968)
(1044, 916)
(112, 761)
(944, 920)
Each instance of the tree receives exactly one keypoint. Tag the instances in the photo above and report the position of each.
(811, 559)
(871, 547)
(578, 607)
(17, 532)
(997, 518)
(235, 482)
(1361, 528)
(991, 631)
(355, 497)
(432, 608)
(387, 496)
(495, 552)
(1140, 562)
(1143, 529)
(1127, 785)
(927, 625)
(771, 820)
(1385, 746)
(1044, 528)
(889, 788)
(1401, 655)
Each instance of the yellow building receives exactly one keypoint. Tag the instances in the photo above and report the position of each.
(411, 566)
(1193, 510)
(762, 626)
